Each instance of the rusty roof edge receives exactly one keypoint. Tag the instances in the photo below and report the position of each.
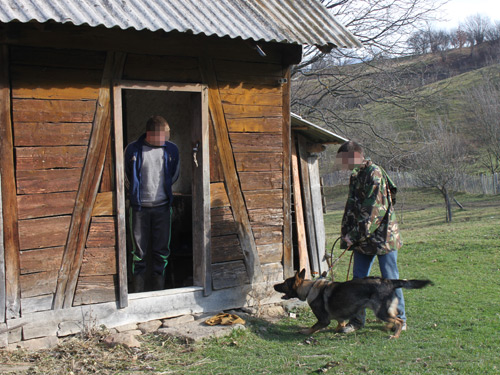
(299, 121)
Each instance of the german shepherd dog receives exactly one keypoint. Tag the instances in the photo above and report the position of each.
(343, 300)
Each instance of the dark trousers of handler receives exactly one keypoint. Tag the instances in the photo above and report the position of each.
(151, 232)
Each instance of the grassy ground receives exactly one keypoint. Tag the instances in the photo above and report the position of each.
(454, 326)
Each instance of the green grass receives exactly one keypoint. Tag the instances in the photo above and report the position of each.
(454, 326)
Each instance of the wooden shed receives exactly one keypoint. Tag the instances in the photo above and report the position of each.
(78, 81)
(308, 141)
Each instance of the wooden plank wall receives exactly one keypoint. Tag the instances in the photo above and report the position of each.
(54, 95)
(252, 101)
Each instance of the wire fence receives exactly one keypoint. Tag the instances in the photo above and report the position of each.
(473, 184)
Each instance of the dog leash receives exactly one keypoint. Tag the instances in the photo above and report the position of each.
(332, 264)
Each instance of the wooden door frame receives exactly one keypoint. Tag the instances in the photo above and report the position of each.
(200, 192)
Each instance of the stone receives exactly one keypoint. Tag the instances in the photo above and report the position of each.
(122, 338)
(178, 321)
(36, 344)
(275, 311)
(151, 326)
(126, 327)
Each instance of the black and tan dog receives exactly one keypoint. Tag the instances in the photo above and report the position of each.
(341, 301)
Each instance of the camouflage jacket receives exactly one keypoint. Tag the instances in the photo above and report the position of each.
(369, 217)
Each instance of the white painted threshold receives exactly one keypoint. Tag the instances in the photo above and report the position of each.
(165, 292)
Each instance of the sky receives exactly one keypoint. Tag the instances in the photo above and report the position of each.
(455, 11)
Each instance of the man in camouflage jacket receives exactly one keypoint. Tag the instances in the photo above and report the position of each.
(369, 225)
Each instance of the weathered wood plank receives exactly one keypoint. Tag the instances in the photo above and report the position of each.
(248, 77)
(218, 195)
(8, 189)
(308, 209)
(99, 261)
(249, 88)
(108, 174)
(226, 248)
(270, 253)
(37, 110)
(261, 180)
(161, 68)
(37, 82)
(264, 199)
(35, 304)
(256, 142)
(51, 134)
(37, 284)
(258, 124)
(287, 188)
(272, 99)
(48, 181)
(95, 289)
(42, 260)
(230, 174)
(102, 232)
(2, 259)
(254, 162)
(266, 216)
(244, 111)
(202, 240)
(216, 172)
(33, 158)
(65, 58)
(265, 235)
(105, 204)
(264, 69)
(91, 174)
(317, 208)
(45, 232)
(299, 214)
(229, 274)
(222, 222)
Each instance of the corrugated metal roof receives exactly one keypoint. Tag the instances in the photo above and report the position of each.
(284, 21)
(314, 132)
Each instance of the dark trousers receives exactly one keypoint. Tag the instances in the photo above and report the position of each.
(151, 232)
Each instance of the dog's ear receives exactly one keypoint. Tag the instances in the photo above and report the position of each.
(302, 273)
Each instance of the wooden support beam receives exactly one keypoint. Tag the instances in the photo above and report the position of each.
(235, 195)
(317, 208)
(299, 214)
(9, 199)
(89, 186)
(308, 206)
(287, 190)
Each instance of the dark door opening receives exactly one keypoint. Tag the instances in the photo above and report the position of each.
(177, 108)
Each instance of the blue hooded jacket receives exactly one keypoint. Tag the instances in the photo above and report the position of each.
(133, 164)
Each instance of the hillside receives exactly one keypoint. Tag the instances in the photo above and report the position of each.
(402, 94)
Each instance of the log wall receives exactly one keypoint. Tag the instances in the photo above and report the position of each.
(54, 96)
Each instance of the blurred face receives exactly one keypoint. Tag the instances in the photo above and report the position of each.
(157, 137)
(349, 160)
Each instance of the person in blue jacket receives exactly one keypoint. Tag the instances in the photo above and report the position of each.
(151, 168)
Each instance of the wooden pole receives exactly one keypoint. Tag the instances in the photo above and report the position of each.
(9, 195)
(287, 190)
(299, 214)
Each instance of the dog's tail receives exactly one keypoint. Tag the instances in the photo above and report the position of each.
(411, 284)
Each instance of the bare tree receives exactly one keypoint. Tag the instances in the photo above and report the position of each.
(483, 107)
(440, 160)
(476, 27)
(330, 89)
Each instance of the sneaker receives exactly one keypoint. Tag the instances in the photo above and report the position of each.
(349, 328)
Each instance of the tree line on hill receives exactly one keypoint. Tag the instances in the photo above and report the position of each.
(474, 30)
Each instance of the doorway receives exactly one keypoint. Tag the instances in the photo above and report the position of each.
(186, 110)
